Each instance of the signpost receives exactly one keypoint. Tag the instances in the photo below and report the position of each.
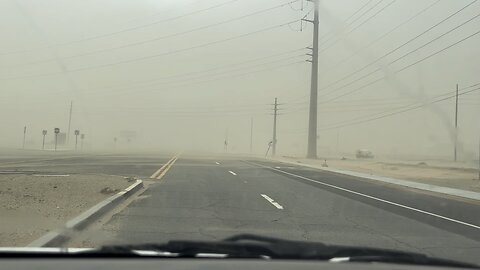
(77, 132)
(268, 149)
(56, 130)
(44, 132)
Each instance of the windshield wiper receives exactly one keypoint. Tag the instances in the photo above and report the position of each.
(254, 246)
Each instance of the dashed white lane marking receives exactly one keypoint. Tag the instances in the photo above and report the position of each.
(232, 172)
(374, 198)
(218, 163)
(270, 200)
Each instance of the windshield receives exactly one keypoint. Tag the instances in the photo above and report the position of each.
(346, 122)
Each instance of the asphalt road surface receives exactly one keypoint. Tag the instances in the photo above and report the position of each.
(202, 198)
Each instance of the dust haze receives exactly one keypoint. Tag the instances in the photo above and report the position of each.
(190, 75)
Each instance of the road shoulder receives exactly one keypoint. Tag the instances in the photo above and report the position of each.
(465, 194)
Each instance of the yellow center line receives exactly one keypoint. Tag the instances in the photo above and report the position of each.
(161, 172)
(167, 168)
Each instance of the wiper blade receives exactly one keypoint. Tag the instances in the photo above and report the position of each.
(254, 246)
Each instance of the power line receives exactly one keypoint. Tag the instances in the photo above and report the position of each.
(365, 12)
(387, 33)
(405, 43)
(220, 67)
(401, 111)
(230, 76)
(347, 19)
(403, 56)
(404, 68)
(123, 30)
(115, 92)
(143, 42)
(195, 80)
(376, 40)
(157, 55)
(358, 26)
(182, 50)
(358, 10)
(405, 106)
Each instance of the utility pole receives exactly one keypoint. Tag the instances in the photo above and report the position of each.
(69, 122)
(456, 127)
(251, 135)
(312, 117)
(24, 136)
(274, 139)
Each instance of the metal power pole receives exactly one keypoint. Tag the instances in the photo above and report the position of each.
(251, 135)
(312, 117)
(69, 122)
(274, 139)
(456, 127)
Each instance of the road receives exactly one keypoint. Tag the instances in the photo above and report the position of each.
(212, 198)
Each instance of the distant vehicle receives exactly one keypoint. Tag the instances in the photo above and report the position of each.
(364, 153)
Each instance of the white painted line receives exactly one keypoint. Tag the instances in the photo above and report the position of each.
(375, 198)
(270, 200)
(218, 163)
(232, 172)
(52, 175)
(406, 183)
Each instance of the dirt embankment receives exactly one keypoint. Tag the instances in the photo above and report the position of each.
(31, 205)
(428, 172)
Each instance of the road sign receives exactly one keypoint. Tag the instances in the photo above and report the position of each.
(82, 136)
(57, 130)
(77, 132)
(44, 132)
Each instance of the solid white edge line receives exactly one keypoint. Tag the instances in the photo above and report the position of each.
(232, 172)
(270, 200)
(374, 198)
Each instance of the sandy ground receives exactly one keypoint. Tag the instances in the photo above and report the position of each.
(429, 172)
(33, 205)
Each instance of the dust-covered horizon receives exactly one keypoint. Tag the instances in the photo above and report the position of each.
(197, 75)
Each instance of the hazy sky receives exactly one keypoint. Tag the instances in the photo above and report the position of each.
(180, 73)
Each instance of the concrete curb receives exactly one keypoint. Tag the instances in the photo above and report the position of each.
(58, 237)
(472, 195)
